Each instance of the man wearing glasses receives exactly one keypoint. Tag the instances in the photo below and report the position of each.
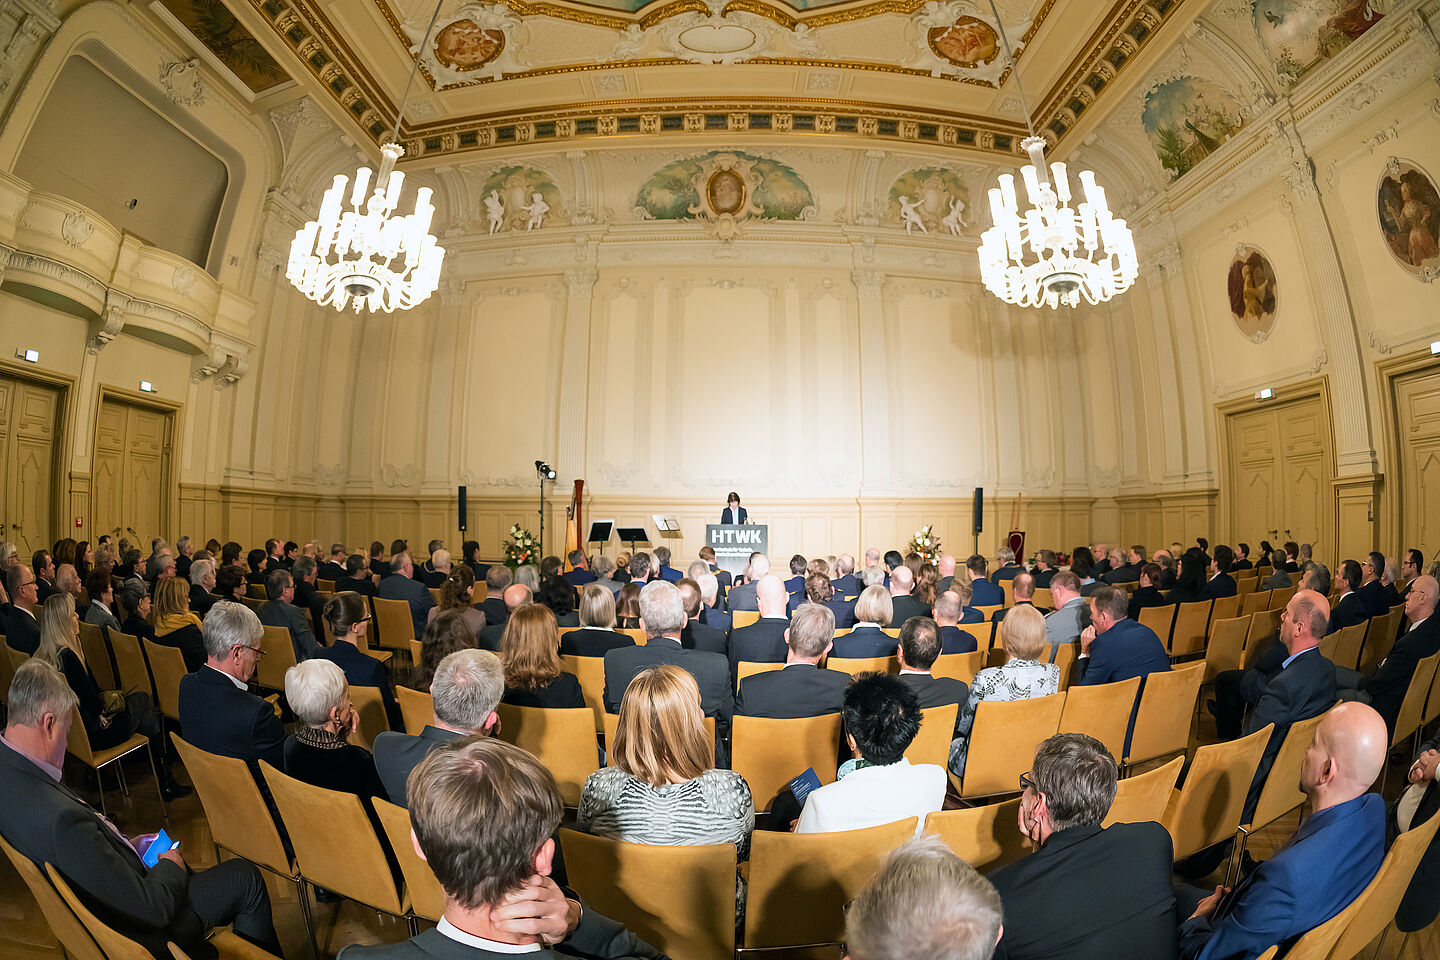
(1372, 591)
(22, 628)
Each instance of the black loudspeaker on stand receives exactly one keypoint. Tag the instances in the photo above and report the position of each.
(462, 509)
(977, 521)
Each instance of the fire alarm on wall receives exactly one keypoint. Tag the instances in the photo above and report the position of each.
(79, 521)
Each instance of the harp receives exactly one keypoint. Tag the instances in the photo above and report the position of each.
(572, 525)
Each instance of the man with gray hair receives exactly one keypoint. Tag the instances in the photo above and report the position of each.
(279, 611)
(710, 613)
(1087, 891)
(1006, 567)
(662, 617)
(184, 552)
(202, 587)
(604, 570)
(334, 568)
(800, 688)
(497, 578)
(845, 582)
(925, 902)
(47, 823)
(402, 585)
(22, 626)
(218, 714)
(466, 689)
(742, 595)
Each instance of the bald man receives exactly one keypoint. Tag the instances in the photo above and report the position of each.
(764, 640)
(1327, 863)
(1385, 688)
(515, 596)
(902, 581)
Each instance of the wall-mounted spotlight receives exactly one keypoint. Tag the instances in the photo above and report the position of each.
(29, 356)
(146, 386)
(1435, 347)
(1264, 393)
(544, 470)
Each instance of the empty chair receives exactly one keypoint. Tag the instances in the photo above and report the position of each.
(563, 740)
(1188, 637)
(1225, 645)
(394, 627)
(97, 655)
(427, 899)
(1207, 809)
(1342, 647)
(1281, 596)
(1225, 608)
(985, 837)
(1263, 627)
(167, 666)
(371, 709)
(1412, 707)
(1167, 706)
(770, 753)
(932, 743)
(130, 663)
(1255, 602)
(1064, 656)
(1161, 619)
(1144, 797)
(77, 744)
(590, 671)
(1378, 904)
(1003, 741)
(278, 657)
(1102, 711)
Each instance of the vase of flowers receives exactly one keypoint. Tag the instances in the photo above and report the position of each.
(521, 548)
(926, 543)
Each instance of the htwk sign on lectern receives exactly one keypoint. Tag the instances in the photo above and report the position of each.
(733, 544)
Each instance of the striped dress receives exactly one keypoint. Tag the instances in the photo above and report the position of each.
(715, 807)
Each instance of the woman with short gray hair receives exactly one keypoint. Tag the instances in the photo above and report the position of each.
(319, 752)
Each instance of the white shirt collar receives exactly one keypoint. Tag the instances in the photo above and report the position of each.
(97, 603)
(227, 676)
(918, 673)
(1417, 623)
(448, 929)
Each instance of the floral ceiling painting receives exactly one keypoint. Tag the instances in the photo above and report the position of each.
(1187, 119)
(1299, 35)
(215, 26)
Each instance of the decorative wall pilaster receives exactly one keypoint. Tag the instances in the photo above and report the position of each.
(874, 397)
(570, 456)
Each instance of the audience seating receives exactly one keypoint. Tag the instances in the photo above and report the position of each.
(1162, 721)
(1281, 792)
(371, 710)
(1379, 639)
(984, 633)
(1144, 796)
(1043, 598)
(1188, 636)
(743, 618)
(858, 665)
(1207, 808)
(770, 753)
(799, 883)
(74, 939)
(97, 656)
(167, 666)
(634, 633)
(590, 671)
(680, 899)
(1372, 912)
(279, 657)
(563, 740)
(254, 603)
(1161, 619)
(256, 591)
(1412, 707)
(1342, 647)
(417, 708)
(748, 668)
(1279, 598)
(1255, 603)
(1102, 711)
(427, 899)
(393, 628)
(937, 729)
(1003, 741)
(1225, 608)
(130, 663)
(77, 744)
(1225, 646)
(324, 586)
(1263, 627)
(986, 837)
(959, 666)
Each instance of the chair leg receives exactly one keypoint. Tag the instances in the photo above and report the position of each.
(159, 791)
(1237, 856)
(413, 923)
(303, 890)
(120, 775)
(100, 785)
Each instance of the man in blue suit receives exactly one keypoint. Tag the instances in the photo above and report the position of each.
(985, 593)
(667, 572)
(1327, 863)
(1114, 647)
(580, 573)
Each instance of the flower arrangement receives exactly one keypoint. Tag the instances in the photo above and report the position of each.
(926, 543)
(521, 548)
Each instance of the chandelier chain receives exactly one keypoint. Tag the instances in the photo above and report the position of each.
(1014, 68)
(415, 68)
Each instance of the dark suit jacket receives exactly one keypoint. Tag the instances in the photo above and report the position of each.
(578, 578)
(330, 570)
(495, 612)
(865, 641)
(1422, 899)
(22, 631)
(380, 567)
(595, 936)
(796, 584)
(47, 823)
(710, 671)
(741, 597)
(1042, 578)
(139, 627)
(191, 643)
(310, 600)
(955, 640)
(592, 642)
(727, 516)
(999, 615)
(761, 642)
(905, 607)
(669, 573)
(1121, 574)
(1386, 686)
(396, 754)
(201, 600)
(719, 619)
(1349, 611)
(278, 613)
(562, 693)
(363, 670)
(697, 636)
(431, 578)
(1128, 649)
(218, 717)
(363, 586)
(1219, 586)
(796, 690)
(401, 587)
(1145, 597)
(938, 691)
(1373, 596)
(1006, 572)
(985, 594)
(1055, 906)
(848, 586)
(844, 611)
(1300, 691)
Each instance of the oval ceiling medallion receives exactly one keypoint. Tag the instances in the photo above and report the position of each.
(724, 39)
(464, 45)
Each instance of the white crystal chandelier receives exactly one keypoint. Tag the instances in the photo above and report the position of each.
(368, 256)
(1052, 253)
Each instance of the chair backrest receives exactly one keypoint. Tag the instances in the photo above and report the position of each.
(417, 708)
(1412, 707)
(417, 649)
(427, 899)
(1372, 911)
(373, 721)
(1161, 619)
(984, 633)
(116, 945)
(1064, 656)
(1255, 602)
(749, 668)
(7, 671)
(1263, 626)
(97, 656)
(77, 741)
(1432, 702)
(1007, 587)
(1191, 620)
(130, 662)
(256, 591)
(394, 628)
(167, 666)
(680, 899)
(1336, 646)
(1208, 807)
(1225, 608)
(1145, 796)
(634, 633)
(987, 611)
(855, 665)
(984, 837)
(1167, 704)
(937, 729)
(74, 939)
(1281, 792)
(590, 671)
(279, 657)
(324, 586)
(254, 603)
(1043, 598)
(1102, 711)
(1226, 642)
(743, 618)
(335, 843)
(564, 740)
(239, 819)
(770, 753)
(1379, 638)
(1003, 741)
(959, 666)
(1279, 598)
(799, 883)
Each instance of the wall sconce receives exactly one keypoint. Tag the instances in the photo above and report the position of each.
(33, 356)
(1435, 347)
(1264, 393)
(146, 386)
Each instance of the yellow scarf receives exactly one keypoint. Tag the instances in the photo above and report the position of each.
(171, 622)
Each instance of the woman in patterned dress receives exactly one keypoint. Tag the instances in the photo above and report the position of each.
(1021, 677)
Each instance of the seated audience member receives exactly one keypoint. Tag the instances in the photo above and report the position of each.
(1147, 594)
(467, 687)
(627, 607)
(904, 606)
(1021, 677)
(845, 582)
(1022, 586)
(174, 624)
(255, 560)
(401, 585)
(711, 613)
(663, 617)
(662, 564)
(67, 581)
(918, 650)
(1327, 862)
(1372, 588)
(925, 902)
(101, 612)
(497, 578)
(697, 635)
(1045, 567)
(550, 567)
(42, 819)
(218, 714)
(796, 583)
(530, 652)
(307, 598)
(349, 617)
(1005, 566)
(800, 688)
(947, 614)
(1416, 806)
(639, 569)
(358, 578)
(1190, 582)
(579, 573)
(444, 635)
(1071, 615)
(43, 564)
(962, 588)
(135, 604)
(1168, 571)
(202, 587)
(1387, 580)
(820, 589)
(470, 550)
(926, 585)
(319, 751)
(873, 612)
(985, 592)
(278, 611)
(1385, 688)
(379, 566)
(1054, 904)
(1349, 609)
(764, 640)
(433, 563)
(558, 595)
(457, 594)
(1221, 584)
(164, 568)
(1413, 566)
(1114, 647)
(597, 634)
(334, 568)
(516, 596)
(230, 584)
(661, 786)
(22, 624)
(1285, 565)
(604, 570)
(742, 595)
(1120, 571)
(484, 817)
(436, 569)
(882, 716)
(230, 553)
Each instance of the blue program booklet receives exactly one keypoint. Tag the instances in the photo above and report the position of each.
(803, 785)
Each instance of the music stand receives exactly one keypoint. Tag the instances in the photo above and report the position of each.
(634, 535)
(600, 531)
(666, 525)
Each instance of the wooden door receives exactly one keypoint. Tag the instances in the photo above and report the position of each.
(29, 431)
(1280, 474)
(1417, 405)
(1254, 471)
(131, 470)
(1305, 474)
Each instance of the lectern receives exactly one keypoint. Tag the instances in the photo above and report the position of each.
(734, 542)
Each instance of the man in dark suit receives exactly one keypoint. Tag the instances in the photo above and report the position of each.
(515, 596)
(710, 613)
(800, 688)
(202, 587)
(400, 585)
(947, 618)
(1044, 569)
(43, 564)
(1005, 566)
(484, 814)
(1147, 594)
(796, 583)
(1385, 688)
(845, 583)
(307, 597)
(1118, 570)
(1242, 559)
(497, 578)
(47, 823)
(667, 572)
(1220, 584)
(217, 713)
(918, 650)
(742, 594)
(662, 616)
(983, 592)
(697, 635)
(1053, 903)
(358, 577)
(334, 568)
(1372, 590)
(820, 589)
(1349, 609)
(1412, 567)
(733, 512)
(579, 574)
(466, 689)
(274, 558)
(184, 557)
(278, 611)
(764, 640)
(1115, 647)
(902, 581)
(1327, 863)
(22, 626)
(1022, 586)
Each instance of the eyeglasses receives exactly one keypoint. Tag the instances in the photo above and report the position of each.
(258, 651)
(1026, 782)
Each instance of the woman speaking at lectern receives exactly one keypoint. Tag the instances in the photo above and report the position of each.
(733, 512)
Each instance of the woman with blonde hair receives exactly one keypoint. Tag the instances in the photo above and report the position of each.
(873, 610)
(627, 607)
(458, 593)
(1021, 677)
(175, 625)
(530, 651)
(662, 786)
(597, 633)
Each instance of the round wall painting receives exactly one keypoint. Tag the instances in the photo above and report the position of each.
(1251, 286)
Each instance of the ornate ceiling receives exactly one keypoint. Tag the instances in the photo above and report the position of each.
(495, 74)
